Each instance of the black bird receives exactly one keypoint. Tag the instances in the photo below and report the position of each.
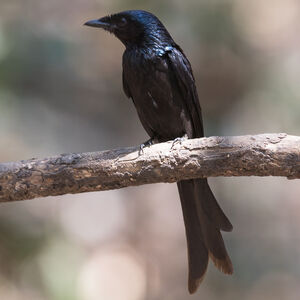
(158, 78)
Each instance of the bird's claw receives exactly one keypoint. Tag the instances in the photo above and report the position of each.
(179, 140)
(145, 144)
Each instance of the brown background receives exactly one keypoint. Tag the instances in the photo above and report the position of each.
(60, 91)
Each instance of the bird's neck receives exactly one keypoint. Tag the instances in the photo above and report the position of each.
(152, 42)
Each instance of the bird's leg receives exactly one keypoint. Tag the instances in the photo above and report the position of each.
(179, 140)
(148, 143)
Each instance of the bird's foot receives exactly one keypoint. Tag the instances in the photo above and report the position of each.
(146, 144)
(179, 140)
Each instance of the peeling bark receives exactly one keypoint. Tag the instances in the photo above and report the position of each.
(257, 155)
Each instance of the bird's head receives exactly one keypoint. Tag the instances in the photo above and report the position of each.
(133, 27)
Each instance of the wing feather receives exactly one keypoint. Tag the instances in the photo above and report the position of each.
(181, 68)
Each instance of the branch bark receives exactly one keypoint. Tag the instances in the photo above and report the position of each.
(257, 155)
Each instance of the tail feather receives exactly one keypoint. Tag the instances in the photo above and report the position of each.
(210, 205)
(203, 220)
(215, 245)
(197, 250)
(224, 265)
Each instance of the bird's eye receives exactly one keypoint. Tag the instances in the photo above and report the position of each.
(122, 22)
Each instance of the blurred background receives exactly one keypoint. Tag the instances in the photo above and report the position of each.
(61, 91)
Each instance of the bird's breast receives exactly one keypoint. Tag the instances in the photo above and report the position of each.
(155, 94)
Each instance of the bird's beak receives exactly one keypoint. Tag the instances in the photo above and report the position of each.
(100, 23)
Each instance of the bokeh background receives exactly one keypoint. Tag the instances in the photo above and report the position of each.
(61, 91)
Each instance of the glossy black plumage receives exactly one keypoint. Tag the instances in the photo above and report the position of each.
(158, 78)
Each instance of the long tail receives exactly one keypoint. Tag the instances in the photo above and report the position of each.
(203, 219)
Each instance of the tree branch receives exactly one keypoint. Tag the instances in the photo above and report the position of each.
(258, 155)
